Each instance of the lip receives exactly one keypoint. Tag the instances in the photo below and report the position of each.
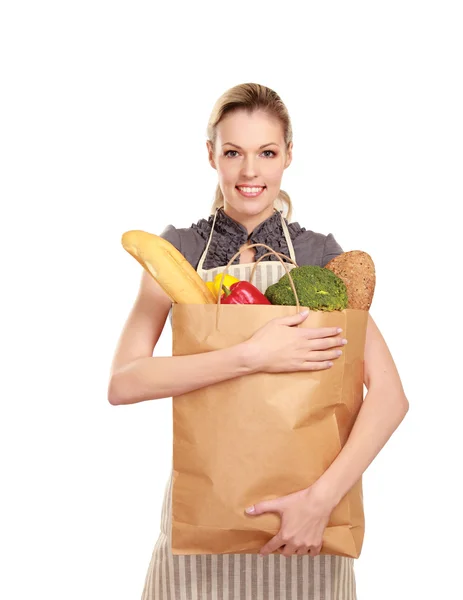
(249, 185)
(251, 194)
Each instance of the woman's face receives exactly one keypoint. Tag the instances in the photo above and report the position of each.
(249, 152)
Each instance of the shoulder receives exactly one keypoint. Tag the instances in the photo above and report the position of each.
(187, 240)
(312, 247)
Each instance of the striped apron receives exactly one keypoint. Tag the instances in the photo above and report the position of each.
(244, 576)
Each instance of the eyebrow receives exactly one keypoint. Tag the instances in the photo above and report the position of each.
(260, 148)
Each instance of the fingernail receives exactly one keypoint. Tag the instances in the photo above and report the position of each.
(250, 509)
(304, 312)
(344, 341)
(339, 330)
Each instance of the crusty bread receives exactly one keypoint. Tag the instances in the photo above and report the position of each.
(357, 270)
(168, 266)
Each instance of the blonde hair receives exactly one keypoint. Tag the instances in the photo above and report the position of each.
(250, 97)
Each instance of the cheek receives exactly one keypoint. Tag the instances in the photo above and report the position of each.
(228, 172)
(273, 175)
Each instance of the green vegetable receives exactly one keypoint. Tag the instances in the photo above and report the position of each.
(317, 288)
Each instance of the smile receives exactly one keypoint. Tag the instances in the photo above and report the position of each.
(250, 192)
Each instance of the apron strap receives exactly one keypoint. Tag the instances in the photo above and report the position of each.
(289, 242)
(288, 238)
(201, 260)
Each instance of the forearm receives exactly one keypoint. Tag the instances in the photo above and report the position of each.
(151, 378)
(380, 415)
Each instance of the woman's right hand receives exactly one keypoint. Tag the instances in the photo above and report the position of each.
(279, 347)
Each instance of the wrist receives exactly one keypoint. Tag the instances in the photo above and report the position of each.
(325, 493)
(249, 356)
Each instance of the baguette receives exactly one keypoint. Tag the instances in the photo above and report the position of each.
(357, 270)
(168, 266)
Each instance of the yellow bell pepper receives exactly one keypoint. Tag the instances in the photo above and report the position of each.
(228, 280)
(211, 286)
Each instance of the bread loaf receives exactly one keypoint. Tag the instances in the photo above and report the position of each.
(357, 270)
(168, 266)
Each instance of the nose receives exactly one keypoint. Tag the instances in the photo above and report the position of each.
(249, 169)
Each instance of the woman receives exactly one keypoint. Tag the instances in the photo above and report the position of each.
(250, 145)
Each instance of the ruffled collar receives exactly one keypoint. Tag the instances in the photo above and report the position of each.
(229, 236)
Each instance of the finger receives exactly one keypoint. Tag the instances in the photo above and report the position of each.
(302, 550)
(312, 333)
(264, 507)
(315, 550)
(271, 546)
(293, 319)
(325, 343)
(289, 550)
(323, 355)
(316, 366)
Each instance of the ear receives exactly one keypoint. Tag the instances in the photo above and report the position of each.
(289, 154)
(210, 155)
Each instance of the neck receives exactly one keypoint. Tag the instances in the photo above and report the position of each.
(250, 222)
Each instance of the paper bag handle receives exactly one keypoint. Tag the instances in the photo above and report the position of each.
(268, 254)
(277, 254)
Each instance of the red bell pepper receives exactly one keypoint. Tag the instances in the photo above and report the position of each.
(243, 292)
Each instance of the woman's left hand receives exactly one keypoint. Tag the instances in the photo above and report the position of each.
(304, 517)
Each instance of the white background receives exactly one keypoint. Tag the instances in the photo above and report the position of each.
(103, 119)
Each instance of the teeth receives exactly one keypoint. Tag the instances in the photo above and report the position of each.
(250, 190)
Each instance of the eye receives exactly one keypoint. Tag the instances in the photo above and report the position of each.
(228, 151)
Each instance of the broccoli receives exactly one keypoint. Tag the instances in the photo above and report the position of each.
(317, 288)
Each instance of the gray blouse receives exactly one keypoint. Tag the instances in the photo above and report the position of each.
(310, 247)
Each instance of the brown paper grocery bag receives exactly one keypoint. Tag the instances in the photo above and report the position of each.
(260, 436)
